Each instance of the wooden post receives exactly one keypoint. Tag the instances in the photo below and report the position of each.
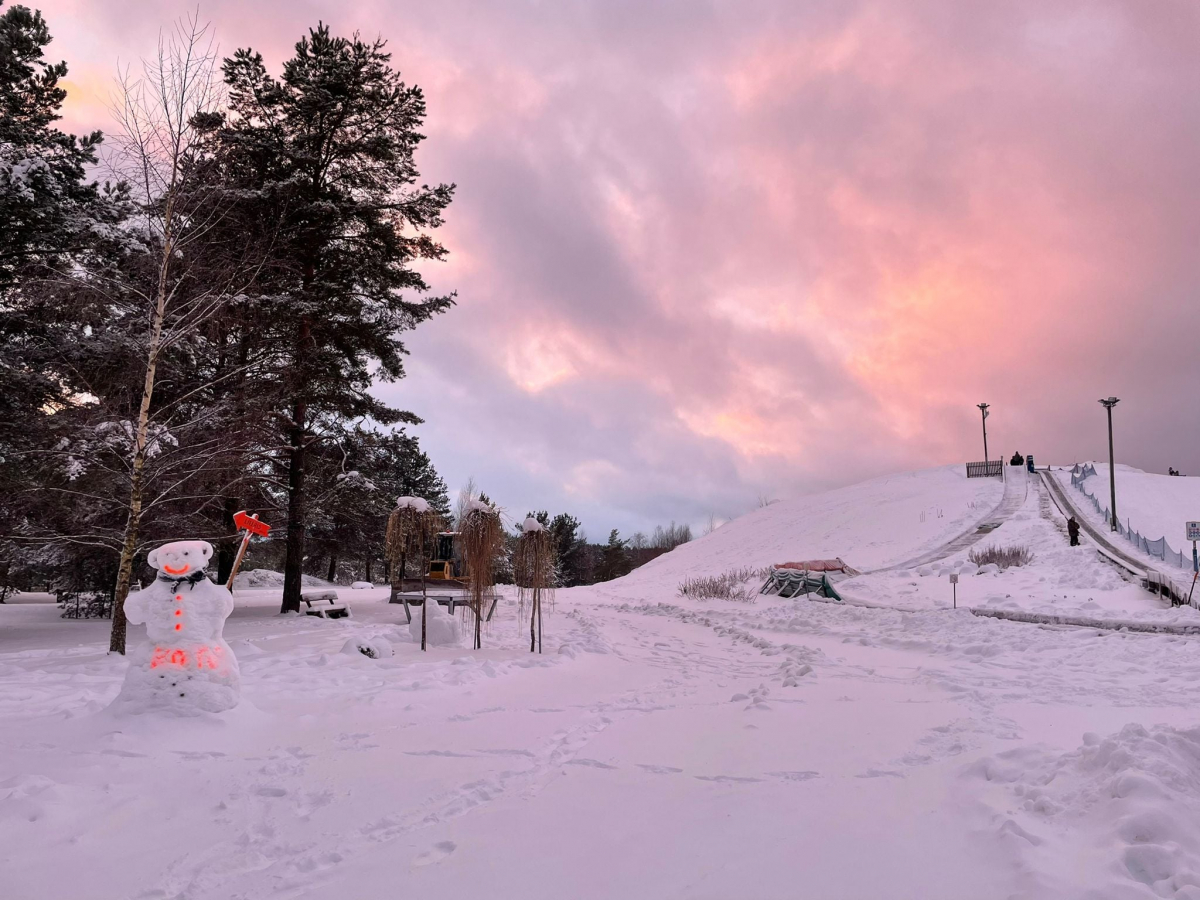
(237, 561)
(250, 525)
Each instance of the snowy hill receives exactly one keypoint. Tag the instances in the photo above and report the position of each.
(1155, 505)
(869, 525)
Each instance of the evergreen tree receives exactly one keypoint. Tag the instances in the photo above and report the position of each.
(327, 152)
(48, 208)
(571, 549)
(614, 559)
(358, 480)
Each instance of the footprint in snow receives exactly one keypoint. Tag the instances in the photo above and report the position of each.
(880, 773)
(659, 770)
(503, 752)
(435, 854)
(728, 779)
(436, 753)
(593, 763)
(795, 776)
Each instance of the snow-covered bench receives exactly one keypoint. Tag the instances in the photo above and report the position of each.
(325, 605)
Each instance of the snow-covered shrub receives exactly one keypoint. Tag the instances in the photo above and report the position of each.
(372, 648)
(1003, 557)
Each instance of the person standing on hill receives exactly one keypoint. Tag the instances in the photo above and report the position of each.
(1073, 531)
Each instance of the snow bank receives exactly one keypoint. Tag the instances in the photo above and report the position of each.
(259, 579)
(1125, 810)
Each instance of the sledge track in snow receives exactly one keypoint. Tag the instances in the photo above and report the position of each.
(1016, 489)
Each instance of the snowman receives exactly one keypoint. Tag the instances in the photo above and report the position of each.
(185, 667)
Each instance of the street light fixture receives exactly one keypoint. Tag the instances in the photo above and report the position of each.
(1112, 465)
(983, 408)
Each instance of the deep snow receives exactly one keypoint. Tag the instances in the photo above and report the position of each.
(662, 747)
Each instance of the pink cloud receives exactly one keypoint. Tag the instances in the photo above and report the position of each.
(705, 251)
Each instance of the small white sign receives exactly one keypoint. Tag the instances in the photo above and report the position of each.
(954, 577)
(1193, 531)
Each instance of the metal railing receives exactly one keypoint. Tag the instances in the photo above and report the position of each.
(1158, 547)
(992, 468)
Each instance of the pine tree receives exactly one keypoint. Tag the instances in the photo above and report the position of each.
(48, 208)
(614, 559)
(327, 152)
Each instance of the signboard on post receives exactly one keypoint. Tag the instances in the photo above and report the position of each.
(1193, 531)
(250, 525)
(954, 587)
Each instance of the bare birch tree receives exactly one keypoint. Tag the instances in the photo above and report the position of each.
(157, 114)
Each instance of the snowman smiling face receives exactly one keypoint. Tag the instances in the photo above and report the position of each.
(181, 557)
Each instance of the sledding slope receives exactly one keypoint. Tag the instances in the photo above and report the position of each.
(870, 525)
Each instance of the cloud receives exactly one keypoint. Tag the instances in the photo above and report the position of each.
(709, 250)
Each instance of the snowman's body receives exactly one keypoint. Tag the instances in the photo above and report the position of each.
(185, 667)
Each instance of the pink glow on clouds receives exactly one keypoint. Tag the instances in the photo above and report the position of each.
(708, 250)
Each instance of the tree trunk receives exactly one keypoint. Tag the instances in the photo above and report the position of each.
(116, 641)
(332, 573)
(368, 578)
(294, 560)
(227, 550)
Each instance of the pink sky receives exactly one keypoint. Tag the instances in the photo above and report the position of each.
(707, 251)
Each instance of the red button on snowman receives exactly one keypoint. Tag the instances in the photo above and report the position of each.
(186, 668)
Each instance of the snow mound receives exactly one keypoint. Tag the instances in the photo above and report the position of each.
(441, 628)
(259, 579)
(361, 586)
(372, 648)
(1125, 808)
(419, 504)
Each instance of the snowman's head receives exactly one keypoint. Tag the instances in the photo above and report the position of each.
(181, 557)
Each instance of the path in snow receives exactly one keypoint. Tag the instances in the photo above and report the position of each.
(1016, 488)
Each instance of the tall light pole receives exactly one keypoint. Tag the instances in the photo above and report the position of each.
(1112, 464)
(983, 408)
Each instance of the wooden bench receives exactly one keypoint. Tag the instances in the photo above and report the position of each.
(325, 605)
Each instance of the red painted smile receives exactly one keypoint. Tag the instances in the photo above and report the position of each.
(171, 571)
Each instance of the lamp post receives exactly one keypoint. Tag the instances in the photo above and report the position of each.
(983, 408)
(1112, 464)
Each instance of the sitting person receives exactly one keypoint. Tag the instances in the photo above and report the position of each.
(1017, 459)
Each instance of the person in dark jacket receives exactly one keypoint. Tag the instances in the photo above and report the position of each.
(1073, 531)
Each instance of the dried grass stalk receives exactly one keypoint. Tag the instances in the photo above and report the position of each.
(482, 539)
(533, 570)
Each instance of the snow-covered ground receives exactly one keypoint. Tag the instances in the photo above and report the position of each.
(662, 747)
(1154, 505)
(876, 523)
